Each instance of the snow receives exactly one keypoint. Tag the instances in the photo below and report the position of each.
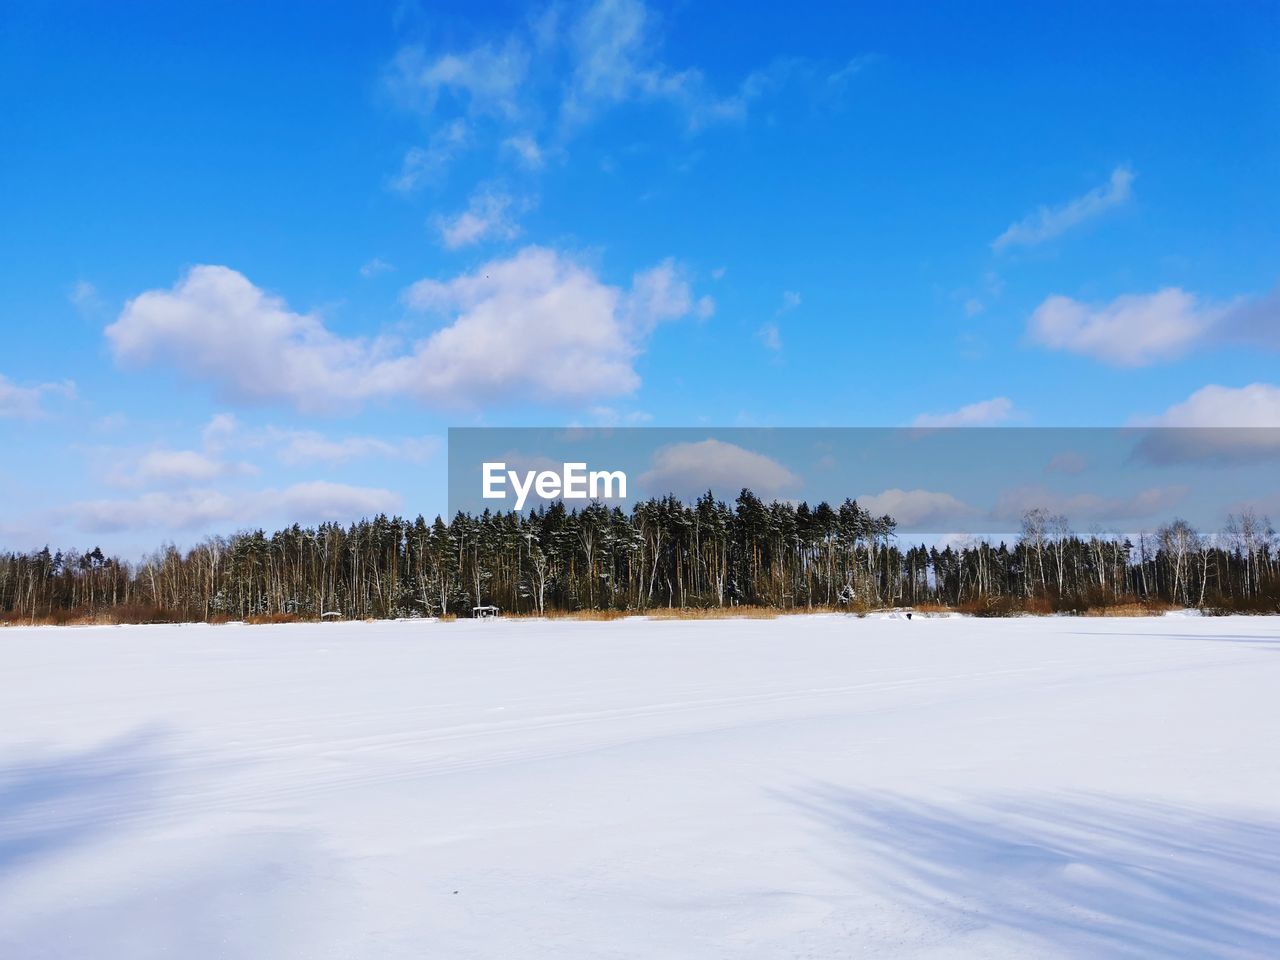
(799, 787)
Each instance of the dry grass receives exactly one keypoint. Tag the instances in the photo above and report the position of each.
(714, 613)
(1128, 610)
(674, 613)
(597, 615)
(594, 615)
(63, 618)
(927, 609)
(263, 618)
(130, 613)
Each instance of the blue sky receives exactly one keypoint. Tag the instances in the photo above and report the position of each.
(256, 260)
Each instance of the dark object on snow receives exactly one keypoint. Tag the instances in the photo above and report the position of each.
(908, 614)
(483, 613)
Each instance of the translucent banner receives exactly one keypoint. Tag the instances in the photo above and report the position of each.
(979, 481)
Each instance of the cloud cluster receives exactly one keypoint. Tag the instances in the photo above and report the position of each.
(487, 217)
(1049, 222)
(83, 295)
(203, 489)
(199, 509)
(375, 267)
(541, 326)
(1139, 329)
(485, 79)
(985, 413)
(1255, 405)
(165, 467)
(917, 508)
(1085, 507)
(1216, 424)
(428, 164)
(1131, 331)
(27, 403)
(690, 469)
(538, 325)
(296, 447)
(550, 76)
(181, 468)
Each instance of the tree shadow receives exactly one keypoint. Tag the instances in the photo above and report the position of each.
(113, 887)
(1098, 876)
(48, 805)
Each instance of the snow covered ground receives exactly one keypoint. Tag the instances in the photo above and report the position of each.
(801, 787)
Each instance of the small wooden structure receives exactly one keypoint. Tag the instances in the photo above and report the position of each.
(484, 612)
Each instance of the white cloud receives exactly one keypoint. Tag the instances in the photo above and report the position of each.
(771, 334)
(985, 413)
(614, 47)
(1216, 424)
(688, 469)
(313, 502)
(838, 80)
(1138, 329)
(182, 468)
(295, 447)
(1256, 405)
(560, 70)
(1131, 331)
(486, 217)
(537, 325)
(1156, 502)
(425, 164)
(165, 467)
(319, 500)
(1049, 222)
(660, 294)
(83, 295)
(375, 267)
(610, 417)
(917, 508)
(27, 403)
(215, 325)
(525, 147)
(484, 80)
(1069, 463)
(111, 423)
(1255, 321)
(219, 431)
(310, 446)
(613, 55)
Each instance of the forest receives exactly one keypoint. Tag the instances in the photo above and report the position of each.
(663, 554)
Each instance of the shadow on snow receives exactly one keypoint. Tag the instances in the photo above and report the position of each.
(1096, 876)
(51, 804)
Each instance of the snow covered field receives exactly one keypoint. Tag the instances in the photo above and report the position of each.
(801, 787)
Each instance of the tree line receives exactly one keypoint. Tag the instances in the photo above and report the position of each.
(662, 553)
